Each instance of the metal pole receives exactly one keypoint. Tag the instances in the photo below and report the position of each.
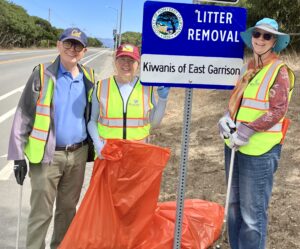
(116, 41)
(120, 30)
(229, 184)
(49, 14)
(183, 166)
(19, 216)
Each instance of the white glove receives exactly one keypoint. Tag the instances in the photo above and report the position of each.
(241, 136)
(226, 127)
(236, 140)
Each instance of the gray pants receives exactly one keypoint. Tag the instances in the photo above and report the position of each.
(61, 180)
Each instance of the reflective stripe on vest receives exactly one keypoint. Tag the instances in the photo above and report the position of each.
(35, 147)
(90, 76)
(255, 103)
(113, 122)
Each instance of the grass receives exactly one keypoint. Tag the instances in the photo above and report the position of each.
(292, 60)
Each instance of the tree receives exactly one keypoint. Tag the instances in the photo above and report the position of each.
(16, 26)
(18, 29)
(94, 42)
(285, 12)
(134, 38)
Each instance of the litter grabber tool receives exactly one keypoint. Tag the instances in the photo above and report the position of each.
(233, 150)
(20, 170)
(19, 215)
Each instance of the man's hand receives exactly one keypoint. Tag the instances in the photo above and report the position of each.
(226, 127)
(20, 169)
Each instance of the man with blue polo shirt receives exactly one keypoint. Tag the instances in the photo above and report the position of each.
(50, 130)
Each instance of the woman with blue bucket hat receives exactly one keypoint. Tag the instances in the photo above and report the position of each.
(254, 128)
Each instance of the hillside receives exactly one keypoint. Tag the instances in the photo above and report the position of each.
(107, 42)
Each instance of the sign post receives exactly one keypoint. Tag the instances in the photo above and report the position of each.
(190, 46)
(185, 139)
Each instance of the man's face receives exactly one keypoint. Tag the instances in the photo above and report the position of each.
(71, 52)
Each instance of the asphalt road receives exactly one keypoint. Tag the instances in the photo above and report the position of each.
(15, 68)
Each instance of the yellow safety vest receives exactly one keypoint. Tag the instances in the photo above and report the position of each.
(35, 147)
(113, 122)
(255, 103)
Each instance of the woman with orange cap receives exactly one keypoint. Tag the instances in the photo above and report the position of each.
(254, 127)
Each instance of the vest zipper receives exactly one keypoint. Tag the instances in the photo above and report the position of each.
(125, 113)
(124, 125)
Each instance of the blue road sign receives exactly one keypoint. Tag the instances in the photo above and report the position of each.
(192, 45)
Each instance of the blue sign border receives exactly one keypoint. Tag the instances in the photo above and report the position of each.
(180, 45)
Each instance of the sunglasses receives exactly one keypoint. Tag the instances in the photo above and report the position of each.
(78, 47)
(266, 36)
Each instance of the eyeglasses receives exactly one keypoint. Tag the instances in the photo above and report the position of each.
(78, 47)
(266, 36)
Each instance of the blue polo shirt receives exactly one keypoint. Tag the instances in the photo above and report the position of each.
(69, 106)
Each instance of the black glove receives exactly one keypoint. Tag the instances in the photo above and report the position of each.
(20, 169)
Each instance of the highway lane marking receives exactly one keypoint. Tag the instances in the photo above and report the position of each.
(86, 57)
(95, 56)
(6, 172)
(19, 89)
(7, 115)
(24, 52)
(26, 59)
(34, 57)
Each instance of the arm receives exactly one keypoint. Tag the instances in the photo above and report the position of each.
(158, 111)
(93, 124)
(24, 118)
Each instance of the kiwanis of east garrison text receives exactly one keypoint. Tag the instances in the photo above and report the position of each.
(190, 68)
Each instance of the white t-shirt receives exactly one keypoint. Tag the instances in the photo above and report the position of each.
(125, 90)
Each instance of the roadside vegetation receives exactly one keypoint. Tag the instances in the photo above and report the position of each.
(20, 30)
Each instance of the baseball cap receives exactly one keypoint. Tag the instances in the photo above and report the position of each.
(74, 34)
(128, 50)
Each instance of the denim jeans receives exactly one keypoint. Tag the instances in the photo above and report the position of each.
(251, 189)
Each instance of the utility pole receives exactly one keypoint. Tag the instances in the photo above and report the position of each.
(116, 34)
(115, 31)
(120, 30)
(49, 14)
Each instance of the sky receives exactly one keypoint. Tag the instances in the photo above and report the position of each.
(97, 18)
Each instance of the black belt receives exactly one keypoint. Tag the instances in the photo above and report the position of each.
(72, 147)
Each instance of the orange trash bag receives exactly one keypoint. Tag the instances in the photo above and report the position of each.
(120, 210)
(201, 225)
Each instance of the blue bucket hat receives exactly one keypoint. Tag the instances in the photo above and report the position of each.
(271, 26)
(74, 34)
